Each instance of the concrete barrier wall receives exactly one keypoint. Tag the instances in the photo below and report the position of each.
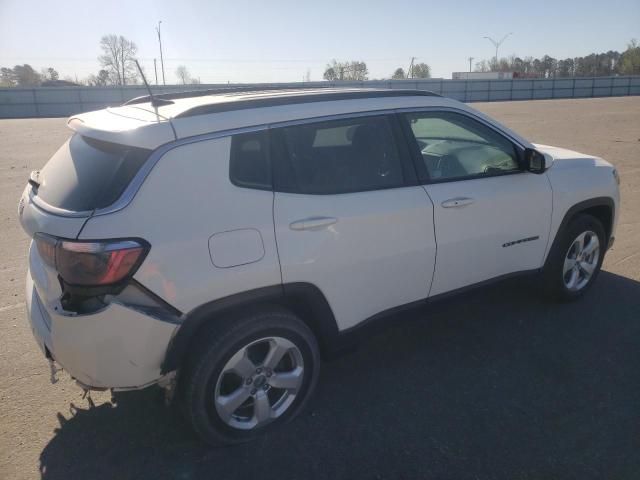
(65, 101)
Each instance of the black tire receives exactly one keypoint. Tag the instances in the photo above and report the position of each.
(215, 348)
(553, 272)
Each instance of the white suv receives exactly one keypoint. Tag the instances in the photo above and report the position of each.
(218, 244)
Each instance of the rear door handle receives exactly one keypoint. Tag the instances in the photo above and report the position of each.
(312, 223)
(457, 202)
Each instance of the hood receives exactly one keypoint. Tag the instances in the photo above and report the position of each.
(560, 153)
(565, 158)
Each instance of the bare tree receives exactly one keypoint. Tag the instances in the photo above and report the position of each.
(183, 74)
(7, 79)
(100, 80)
(630, 59)
(482, 66)
(26, 76)
(330, 74)
(118, 59)
(398, 74)
(49, 74)
(353, 70)
(421, 70)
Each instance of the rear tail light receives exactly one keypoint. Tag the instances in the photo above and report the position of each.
(93, 263)
(46, 248)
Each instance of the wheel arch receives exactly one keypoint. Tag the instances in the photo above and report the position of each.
(602, 208)
(303, 299)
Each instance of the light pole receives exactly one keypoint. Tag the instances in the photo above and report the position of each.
(161, 59)
(410, 72)
(470, 61)
(498, 43)
(155, 69)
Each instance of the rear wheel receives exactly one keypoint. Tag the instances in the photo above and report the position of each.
(575, 259)
(249, 375)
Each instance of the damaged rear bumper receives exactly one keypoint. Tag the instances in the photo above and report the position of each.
(116, 347)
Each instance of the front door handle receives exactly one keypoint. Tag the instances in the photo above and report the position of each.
(457, 202)
(312, 223)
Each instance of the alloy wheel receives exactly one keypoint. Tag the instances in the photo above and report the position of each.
(581, 261)
(259, 383)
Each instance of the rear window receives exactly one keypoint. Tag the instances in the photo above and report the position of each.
(86, 174)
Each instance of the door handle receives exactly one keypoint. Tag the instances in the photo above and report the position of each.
(457, 202)
(312, 223)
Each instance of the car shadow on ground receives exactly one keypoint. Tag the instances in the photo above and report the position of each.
(493, 384)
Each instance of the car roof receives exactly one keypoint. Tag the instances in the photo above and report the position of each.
(149, 123)
(201, 102)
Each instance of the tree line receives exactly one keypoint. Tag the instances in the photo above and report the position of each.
(117, 67)
(26, 75)
(594, 65)
(357, 70)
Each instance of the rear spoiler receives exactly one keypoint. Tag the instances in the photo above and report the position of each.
(125, 126)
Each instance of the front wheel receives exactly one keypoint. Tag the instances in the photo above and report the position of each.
(249, 375)
(575, 259)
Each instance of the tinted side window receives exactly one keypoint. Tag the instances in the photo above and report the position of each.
(249, 163)
(455, 146)
(338, 156)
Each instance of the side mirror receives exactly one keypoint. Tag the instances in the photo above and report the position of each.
(534, 161)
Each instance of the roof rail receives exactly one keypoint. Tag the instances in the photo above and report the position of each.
(314, 95)
(217, 91)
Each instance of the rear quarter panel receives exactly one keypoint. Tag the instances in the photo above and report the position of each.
(186, 200)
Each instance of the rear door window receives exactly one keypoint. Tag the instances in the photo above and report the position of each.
(337, 156)
(87, 174)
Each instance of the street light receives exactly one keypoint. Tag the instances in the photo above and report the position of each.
(161, 59)
(497, 44)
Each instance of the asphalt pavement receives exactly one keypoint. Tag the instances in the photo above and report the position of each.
(497, 384)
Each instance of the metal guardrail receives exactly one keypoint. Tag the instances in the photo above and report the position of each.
(65, 101)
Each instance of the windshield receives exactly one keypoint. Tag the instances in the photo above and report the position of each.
(86, 174)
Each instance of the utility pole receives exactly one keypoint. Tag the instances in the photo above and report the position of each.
(161, 58)
(470, 61)
(155, 69)
(410, 71)
(497, 44)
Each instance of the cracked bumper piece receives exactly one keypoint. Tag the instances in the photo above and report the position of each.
(116, 347)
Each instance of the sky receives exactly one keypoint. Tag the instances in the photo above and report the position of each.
(280, 40)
